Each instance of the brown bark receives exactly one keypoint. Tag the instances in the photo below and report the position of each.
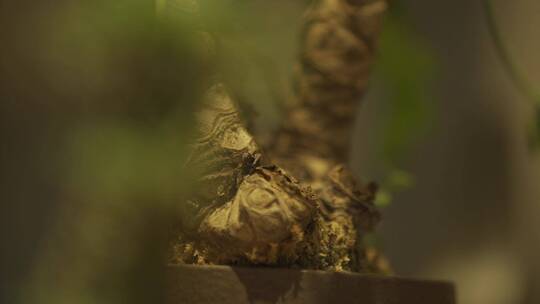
(338, 45)
(242, 210)
(249, 211)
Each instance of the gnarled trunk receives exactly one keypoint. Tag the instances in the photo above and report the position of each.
(249, 209)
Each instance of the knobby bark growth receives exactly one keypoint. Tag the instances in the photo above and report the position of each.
(293, 203)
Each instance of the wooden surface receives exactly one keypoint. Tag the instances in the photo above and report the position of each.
(223, 284)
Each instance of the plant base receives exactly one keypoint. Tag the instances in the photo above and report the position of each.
(223, 284)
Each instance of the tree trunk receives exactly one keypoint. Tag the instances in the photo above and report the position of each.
(249, 209)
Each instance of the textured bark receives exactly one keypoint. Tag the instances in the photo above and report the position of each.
(242, 210)
(337, 50)
(248, 210)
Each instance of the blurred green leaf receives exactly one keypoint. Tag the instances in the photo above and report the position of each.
(128, 82)
(399, 180)
(406, 67)
(383, 198)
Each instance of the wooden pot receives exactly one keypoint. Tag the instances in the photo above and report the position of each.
(224, 284)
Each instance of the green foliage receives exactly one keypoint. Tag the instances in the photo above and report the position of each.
(406, 68)
(119, 161)
(140, 77)
(127, 82)
(396, 180)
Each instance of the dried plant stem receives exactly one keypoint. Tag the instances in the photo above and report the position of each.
(338, 44)
(250, 211)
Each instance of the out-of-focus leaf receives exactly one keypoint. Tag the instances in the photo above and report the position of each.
(383, 198)
(406, 67)
(398, 180)
(126, 84)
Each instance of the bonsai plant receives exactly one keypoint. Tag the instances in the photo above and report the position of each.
(290, 200)
(272, 218)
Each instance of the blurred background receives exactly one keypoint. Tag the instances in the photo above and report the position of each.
(95, 114)
(471, 210)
